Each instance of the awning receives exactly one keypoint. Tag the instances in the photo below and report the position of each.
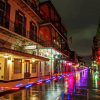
(18, 53)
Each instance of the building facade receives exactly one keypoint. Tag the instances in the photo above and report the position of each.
(55, 36)
(33, 43)
(96, 50)
(19, 26)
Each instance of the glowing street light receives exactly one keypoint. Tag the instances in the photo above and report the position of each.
(69, 64)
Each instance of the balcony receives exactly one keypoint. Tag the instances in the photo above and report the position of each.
(33, 37)
(52, 38)
(44, 43)
(20, 30)
(31, 7)
(11, 26)
(8, 29)
(51, 16)
(4, 22)
(33, 4)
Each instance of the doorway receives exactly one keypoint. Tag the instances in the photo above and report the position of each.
(27, 69)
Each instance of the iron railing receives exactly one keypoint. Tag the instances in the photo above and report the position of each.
(4, 22)
(10, 25)
(33, 36)
(33, 6)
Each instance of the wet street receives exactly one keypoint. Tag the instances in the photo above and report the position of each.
(84, 86)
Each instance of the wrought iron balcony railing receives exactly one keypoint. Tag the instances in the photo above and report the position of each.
(33, 36)
(4, 22)
(10, 25)
(33, 6)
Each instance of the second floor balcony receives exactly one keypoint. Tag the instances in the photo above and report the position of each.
(13, 29)
(30, 7)
(10, 28)
(50, 15)
(44, 38)
(52, 38)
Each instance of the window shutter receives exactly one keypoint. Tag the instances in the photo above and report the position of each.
(17, 19)
(30, 26)
(24, 26)
(7, 15)
(2, 12)
(8, 11)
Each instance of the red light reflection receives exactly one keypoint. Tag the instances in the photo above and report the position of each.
(69, 84)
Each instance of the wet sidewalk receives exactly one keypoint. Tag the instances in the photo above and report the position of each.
(66, 88)
(6, 86)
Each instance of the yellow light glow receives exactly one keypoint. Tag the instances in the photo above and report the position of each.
(9, 61)
(33, 60)
(5, 56)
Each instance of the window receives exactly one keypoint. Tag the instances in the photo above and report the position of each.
(4, 14)
(2, 10)
(17, 65)
(46, 68)
(20, 23)
(34, 67)
(33, 31)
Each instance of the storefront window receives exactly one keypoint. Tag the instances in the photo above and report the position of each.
(55, 66)
(34, 66)
(47, 67)
(17, 65)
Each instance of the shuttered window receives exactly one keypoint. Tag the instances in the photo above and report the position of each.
(4, 14)
(33, 31)
(20, 23)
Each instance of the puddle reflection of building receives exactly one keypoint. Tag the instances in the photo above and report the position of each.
(69, 85)
(26, 94)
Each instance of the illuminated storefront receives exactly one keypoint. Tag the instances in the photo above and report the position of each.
(28, 48)
(96, 48)
(17, 65)
(18, 32)
(55, 64)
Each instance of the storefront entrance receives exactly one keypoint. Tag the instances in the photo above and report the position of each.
(27, 69)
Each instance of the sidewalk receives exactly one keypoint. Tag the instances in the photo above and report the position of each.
(24, 83)
(6, 86)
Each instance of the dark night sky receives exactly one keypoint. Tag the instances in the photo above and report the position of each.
(81, 18)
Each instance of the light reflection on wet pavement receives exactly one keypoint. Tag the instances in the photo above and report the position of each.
(95, 84)
(39, 92)
(80, 87)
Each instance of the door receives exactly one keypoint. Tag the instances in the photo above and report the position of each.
(27, 69)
